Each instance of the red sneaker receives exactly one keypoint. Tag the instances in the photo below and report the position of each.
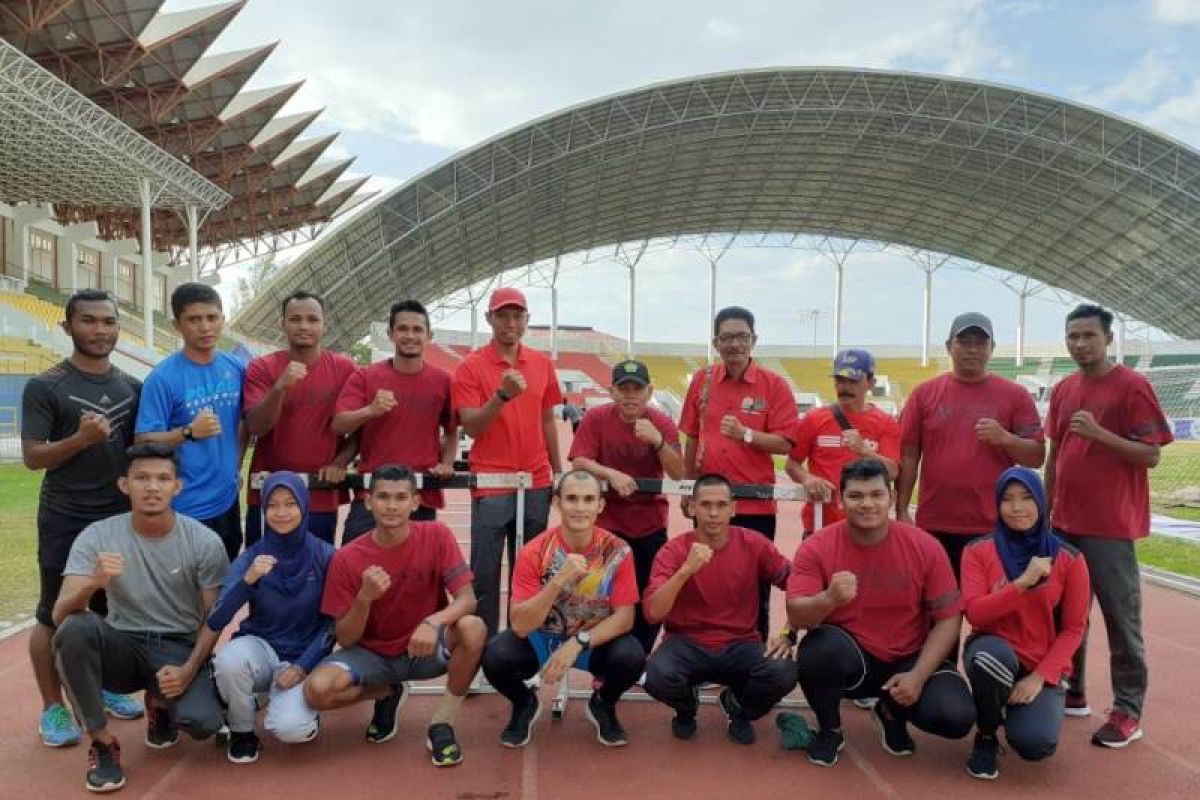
(1119, 730)
(1077, 706)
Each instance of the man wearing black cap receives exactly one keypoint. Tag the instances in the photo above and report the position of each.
(617, 443)
(830, 437)
(964, 428)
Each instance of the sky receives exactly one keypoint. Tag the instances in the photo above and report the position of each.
(410, 84)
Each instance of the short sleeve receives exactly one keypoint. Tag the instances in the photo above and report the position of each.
(586, 443)
(455, 572)
(666, 426)
(553, 394)
(526, 578)
(689, 418)
(467, 389)
(625, 590)
(213, 560)
(1144, 415)
(1026, 422)
(911, 419)
(807, 577)
(806, 431)
(773, 566)
(82, 559)
(341, 585)
(666, 564)
(939, 592)
(781, 410)
(353, 395)
(37, 411)
(258, 383)
(154, 408)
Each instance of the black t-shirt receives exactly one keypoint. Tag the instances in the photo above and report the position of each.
(86, 485)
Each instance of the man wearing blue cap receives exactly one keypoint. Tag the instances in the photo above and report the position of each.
(830, 437)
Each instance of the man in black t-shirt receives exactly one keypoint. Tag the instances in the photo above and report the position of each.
(76, 421)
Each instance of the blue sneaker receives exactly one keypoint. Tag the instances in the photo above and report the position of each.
(123, 706)
(57, 728)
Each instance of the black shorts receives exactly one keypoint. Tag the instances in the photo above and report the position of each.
(56, 533)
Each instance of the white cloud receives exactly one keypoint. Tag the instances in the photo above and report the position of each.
(1175, 12)
(1154, 73)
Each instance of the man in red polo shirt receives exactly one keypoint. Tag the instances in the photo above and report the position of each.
(401, 408)
(288, 398)
(703, 589)
(617, 443)
(830, 437)
(1106, 429)
(882, 611)
(505, 394)
(736, 416)
(963, 429)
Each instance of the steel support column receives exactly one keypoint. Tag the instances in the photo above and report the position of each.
(147, 263)
(926, 317)
(1022, 297)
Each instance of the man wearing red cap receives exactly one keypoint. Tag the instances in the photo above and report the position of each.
(505, 394)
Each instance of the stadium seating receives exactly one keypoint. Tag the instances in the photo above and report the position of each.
(591, 365)
(670, 372)
(23, 357)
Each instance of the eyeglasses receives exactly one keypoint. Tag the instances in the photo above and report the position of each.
(736, 338)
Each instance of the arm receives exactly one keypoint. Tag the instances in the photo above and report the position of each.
(347, 422)
(690, 468)
(349, 627)
(1050, 474)
(477, 420)
(462, 604)
(449, 449)
(657, 603)
(264, 404)
(318, 647)
(235, 593)
(47, 455)
(526, 616)
(174, 680)
(906, 481)
(1025, 452)
(1139, 454)
(550, 431)
(942, 639)
(811, 611)
(73, 597)
(1073, 611)
(671, 461)
(984, 608)
(615, 479)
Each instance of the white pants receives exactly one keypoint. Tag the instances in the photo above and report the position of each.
(245, 668)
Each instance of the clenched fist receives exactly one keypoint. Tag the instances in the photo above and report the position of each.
(295, 372)
(94, 428)
(697, 558)
(383, 402)
(108, 566)
(206, 424)
(843, 588)
(260, 566)
(645, 432)
(375, 583)
(573, 568)
(512, 383)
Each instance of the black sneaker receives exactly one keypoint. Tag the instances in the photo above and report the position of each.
(243, 747)
(520, 725)
(739, 729)
(161, 732)
(603, 717)
(386, 719)
(683, 725)
(104, 767)
(984, 762)
(893, 733)
(440, 742)
(825, 748)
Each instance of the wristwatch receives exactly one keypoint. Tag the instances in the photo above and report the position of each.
(188, 436)
(503, 395)
(584, 638)
(748, 436)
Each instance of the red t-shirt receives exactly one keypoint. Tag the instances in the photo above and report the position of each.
(301, 440)
(411, 433)
(957, 491)
(904, 585)
(610, 581)
(515, 441)
(1096, 492)
(761, 400)
(424, 568)
(819, 441)
(718, 606)
(608, 440)
(1026, 620)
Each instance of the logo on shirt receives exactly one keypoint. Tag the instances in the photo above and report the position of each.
(754, 405)
(105, 399)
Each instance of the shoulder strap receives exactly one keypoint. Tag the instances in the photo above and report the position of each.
(840, 416)
(708, 373)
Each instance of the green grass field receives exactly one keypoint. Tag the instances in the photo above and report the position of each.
(19, 498)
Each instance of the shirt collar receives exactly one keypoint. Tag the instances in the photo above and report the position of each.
(496, 358)
(749, 376)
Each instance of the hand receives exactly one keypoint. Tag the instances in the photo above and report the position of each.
(573, 568)
(1026, 690)
(843, 588)
(560, 661)
(818, 489)
(261, 565)
(424, 639)
(206, 424)
(697, 558)
(292, 676)
(645, 432)
(852, 440)
(173, 681)
(108, 566)
(1085, 425)
(621, 483)
(732, 427)
(685, 507)
(295, 372)
(383, 402)
(512, 383)
(375, 583)
(331, 473)
(441, 470)
(904, 687)
(1039, 567)
(779, 647)
(94, 428)
(991, 432)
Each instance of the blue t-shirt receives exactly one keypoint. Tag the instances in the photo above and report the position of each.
(174, 393)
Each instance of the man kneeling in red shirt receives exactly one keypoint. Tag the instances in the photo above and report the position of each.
(704, 587)
(883, 612)
(387, 592)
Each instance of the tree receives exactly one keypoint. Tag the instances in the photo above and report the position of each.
(255, 279)
(360, 352)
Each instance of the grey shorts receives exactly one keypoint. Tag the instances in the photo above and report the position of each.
(370, 669)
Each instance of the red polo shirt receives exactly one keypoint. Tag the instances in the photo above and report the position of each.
(515, 441)
(762, 401)
(1096, 492)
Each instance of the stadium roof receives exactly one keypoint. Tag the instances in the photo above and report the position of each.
(153, 72)
(1071, 196)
